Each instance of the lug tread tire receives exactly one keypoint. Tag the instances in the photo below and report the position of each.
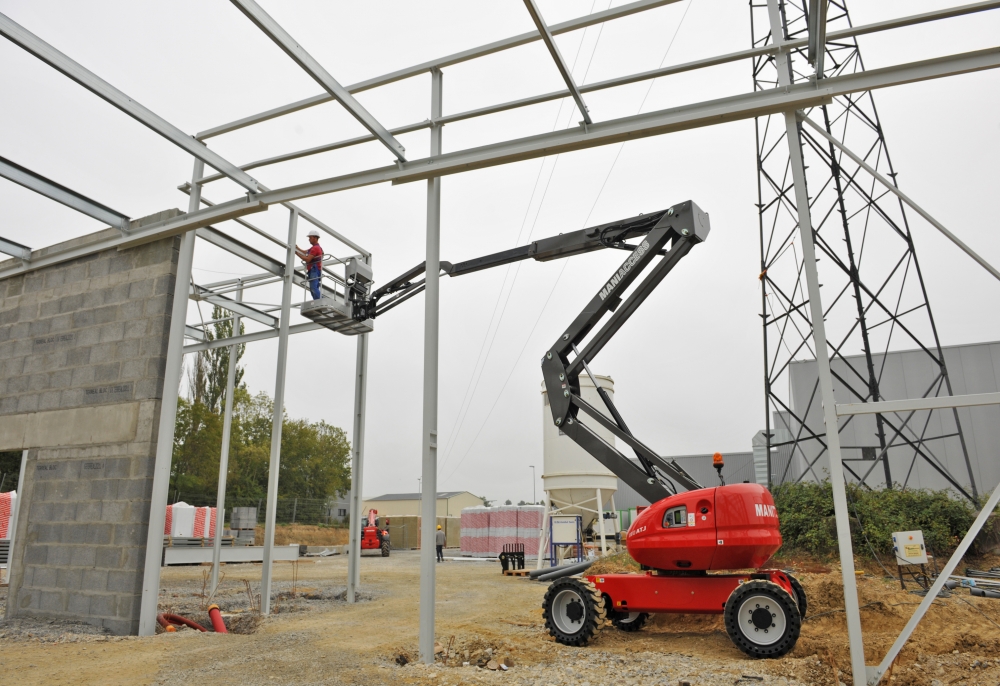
(385, 549)
(787, 603)
(595, 612)
(618, 620)
(800, 595)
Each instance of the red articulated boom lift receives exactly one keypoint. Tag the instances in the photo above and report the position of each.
(684, 539)
(372, 537)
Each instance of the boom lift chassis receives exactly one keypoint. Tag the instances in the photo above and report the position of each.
(683, 535)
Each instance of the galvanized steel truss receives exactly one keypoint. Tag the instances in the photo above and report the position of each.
(873, 305)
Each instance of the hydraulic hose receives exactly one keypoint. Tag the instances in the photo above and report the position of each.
(535, 573)
(560, 572)
(217, 624)
(167, 620)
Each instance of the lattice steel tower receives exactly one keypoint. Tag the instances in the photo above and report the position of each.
(873, 292)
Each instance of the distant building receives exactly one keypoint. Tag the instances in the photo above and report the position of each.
(449, 503)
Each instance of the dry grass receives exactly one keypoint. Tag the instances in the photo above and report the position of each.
(304, 534)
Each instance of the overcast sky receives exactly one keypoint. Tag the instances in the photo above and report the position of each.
(687, 368)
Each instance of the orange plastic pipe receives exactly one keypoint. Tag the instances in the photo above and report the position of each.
(167, 620)
(216, 617)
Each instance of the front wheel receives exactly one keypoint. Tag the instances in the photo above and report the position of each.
(629, 621)
(573, 611)
(385, 548)
(762, 619)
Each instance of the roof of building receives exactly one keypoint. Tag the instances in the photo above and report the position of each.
(416, 496)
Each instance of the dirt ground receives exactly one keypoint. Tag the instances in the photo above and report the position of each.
(314, 637)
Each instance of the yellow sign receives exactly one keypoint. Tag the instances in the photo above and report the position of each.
(912, 551)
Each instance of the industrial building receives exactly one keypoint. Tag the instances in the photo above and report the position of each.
(449, 503)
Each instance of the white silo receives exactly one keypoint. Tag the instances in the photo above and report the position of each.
(575, 483)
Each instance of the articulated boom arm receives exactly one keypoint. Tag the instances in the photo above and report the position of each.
(682, 226)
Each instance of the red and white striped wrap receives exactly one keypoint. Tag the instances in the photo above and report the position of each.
(187, 521)
(475, 531)
(8, 501)
(503, 527)
(529, 524)
(485, 530)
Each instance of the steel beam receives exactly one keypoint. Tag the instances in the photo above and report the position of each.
(903, 196)
(54, 191)
(910, 405)
(200, 293)
(428, 502)
(278, 418)
(21, 252)
(36, 46)
(793, 138)
(357, 468)
(564, 71)
(251, 337)
(309, 65)
(625, 80)
(708, 113)
(440, 63)
(168, 417)
(817, 34)
(192, 332)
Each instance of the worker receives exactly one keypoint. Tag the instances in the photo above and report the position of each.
(313, 258)
(439, 541)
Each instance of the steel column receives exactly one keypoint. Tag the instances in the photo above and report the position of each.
(600, 522)
(357, 468)
(278, 417)
(428, 505)
(168, 418)
(543, 536)
(227, 425)
(793, 139)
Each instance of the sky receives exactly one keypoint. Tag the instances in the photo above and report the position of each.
(687, 367)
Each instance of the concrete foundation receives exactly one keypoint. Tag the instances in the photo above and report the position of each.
(83, 347)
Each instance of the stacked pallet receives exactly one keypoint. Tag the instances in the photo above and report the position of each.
(187, 521)
(486, 530)
(8, 501)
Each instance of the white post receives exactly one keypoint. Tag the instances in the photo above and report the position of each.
(357, 468)
(428, 505)
(227, 425)
(168, 418)
(279, 415)
(600, 520)
(543, 535)
(12, 523)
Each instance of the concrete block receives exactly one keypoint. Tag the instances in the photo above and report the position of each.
(106, 314)
(36, 554)
(88, 511)
(121, 627)
(140, 289)
(26, 600)
(104, 489)
(133, 369)
(83, 376)
(115, 331)
(55, 491)
(15, 285)
(128, 605)
(122, 262)
(48, 309)
(124, 582)
(69, 579)
(8, 404)
(107, 372)
(110, 557)
(102, 605)
(71, 303)
(77, 356)
(131, 310)
(13, 366)
(136, 328)
(27, 403)
(59, 512)
(132, 558)
(54, 277)
(53, 601)
(78, 490)
(94, 580)
(79, 604)
(89, 336)
(118, 468)
(74, 273)
(61, 378)
(148, 388)
(63, 322)
(39, 327)
(129, 534)
(34, 282)
(99, 534)
(72, 397)
(118, 290)
(164, 284)
(127, 349)
(45, 577)
(102, 353)
(83, 556)
(38, 382)
(18, 384)
(113, 512)
(8, 316)
(99, 267)
(158, 305)
(75, 533)
(49, 400)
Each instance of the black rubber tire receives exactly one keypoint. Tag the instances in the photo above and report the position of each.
(385, 548)
(784, 617)
(800, 595)
(573, 611)
(621, 620)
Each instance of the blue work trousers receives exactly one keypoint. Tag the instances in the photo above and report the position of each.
(314, 276)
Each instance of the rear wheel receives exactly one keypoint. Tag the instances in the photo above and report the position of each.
(573, 611)
(629, 621)
(800, 595)
(385, 548)
(762, 619)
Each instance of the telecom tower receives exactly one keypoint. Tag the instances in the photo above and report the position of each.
(873, 289)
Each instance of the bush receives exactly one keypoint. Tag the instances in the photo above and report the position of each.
(808, 524)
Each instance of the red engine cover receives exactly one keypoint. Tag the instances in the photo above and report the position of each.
(369, 538)
(726, 527)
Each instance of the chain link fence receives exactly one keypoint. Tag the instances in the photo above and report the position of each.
(290, 510)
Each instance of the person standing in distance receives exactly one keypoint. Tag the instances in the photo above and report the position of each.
(439, 541)
(313, 258)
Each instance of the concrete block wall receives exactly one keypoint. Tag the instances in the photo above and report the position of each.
(82, 352)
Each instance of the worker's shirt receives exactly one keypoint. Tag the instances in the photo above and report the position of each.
(440, 538)
(318, 252)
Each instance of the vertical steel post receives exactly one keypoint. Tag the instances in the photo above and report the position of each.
(615, 524)
(227, 425)
(168, 418)
(543, 536)
(357, 467)
(793, 138)
(279, 415)
(428, 505)
(600, 522)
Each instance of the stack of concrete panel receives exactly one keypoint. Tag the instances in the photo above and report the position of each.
(503, 527)
(475, 531)
(486, 530)
(8, 502)
(529, 524)
(83, 348)
(243, 525)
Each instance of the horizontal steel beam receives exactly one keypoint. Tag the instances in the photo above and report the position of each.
(54, 191)
(564, 71)
(314, 69)
(625, 80)
(201, 293)
(21, 252)
(440, 63)
(724, 110)
(249, 338)
(23, 38)
(910, 405)
(192, 332)
(139, 234)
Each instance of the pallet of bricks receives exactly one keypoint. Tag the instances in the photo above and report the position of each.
(486, 530)
(186, 525)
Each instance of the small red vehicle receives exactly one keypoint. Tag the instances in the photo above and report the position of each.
(372, 537)
(678, 541)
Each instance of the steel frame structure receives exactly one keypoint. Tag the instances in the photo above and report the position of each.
(791, 98)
